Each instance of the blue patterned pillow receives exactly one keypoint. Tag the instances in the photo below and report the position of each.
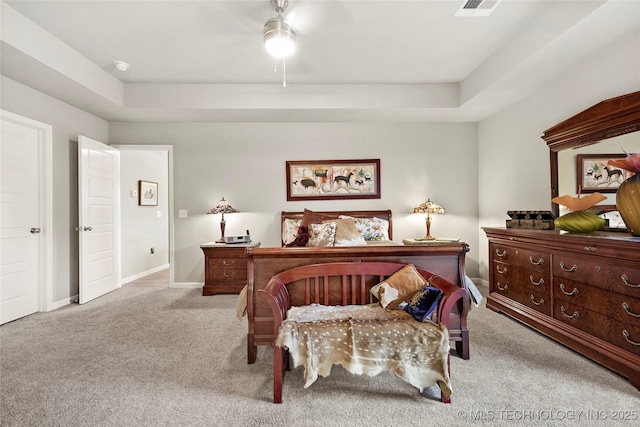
(423, 303)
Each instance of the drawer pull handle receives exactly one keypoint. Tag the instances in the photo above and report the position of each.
(228, 263)
(533, 300)
(626, 337)
(539, 262)
(575, 314)
(502, 288)
(626, 308)
(501, 271)
(564, 291)
(227, 275)
(538, 283)
(590, 248)
(625, 279)
(570, 270)
(501, 255)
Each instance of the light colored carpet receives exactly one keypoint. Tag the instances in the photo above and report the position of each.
(153, 356)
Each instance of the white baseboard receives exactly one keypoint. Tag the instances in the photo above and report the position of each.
(187, 284)
(126, 280)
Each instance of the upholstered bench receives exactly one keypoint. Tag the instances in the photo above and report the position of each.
(364, 334)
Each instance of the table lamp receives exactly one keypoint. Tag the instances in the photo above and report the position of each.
(223, 207)
(429, 208)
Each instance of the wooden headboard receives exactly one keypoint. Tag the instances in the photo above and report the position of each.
(382, 214)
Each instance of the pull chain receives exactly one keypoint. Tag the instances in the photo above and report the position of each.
(284, 72)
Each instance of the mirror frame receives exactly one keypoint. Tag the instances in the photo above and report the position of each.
(606, 119)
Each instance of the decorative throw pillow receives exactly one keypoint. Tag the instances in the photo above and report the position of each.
(322, 234)
(399, 287)
(290, 230)
(423, 303)
(311, 217)
(371, 228)
(346, 233)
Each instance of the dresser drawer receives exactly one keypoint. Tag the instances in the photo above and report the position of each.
(617, 278)
(623, 308)
(611, 330)
(532, 259)
(227, 274)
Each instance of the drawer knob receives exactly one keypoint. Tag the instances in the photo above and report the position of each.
(590, 248)
(228, 263)
(571, 270)
(501, 254)
(539, 262)
(227, 275)
(625, 333)
(502, 288)
(538, 283)
(626, 308)
(564, 291)
(533, 300)
(575, 314)
(625, 279)
(504, 270)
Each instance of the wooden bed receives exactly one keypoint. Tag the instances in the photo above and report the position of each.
(447, 261)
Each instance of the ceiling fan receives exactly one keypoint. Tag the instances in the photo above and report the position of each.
(279, 35)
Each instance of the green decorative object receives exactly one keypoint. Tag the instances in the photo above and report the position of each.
(628, 194)
(628, 203)
(580, 222)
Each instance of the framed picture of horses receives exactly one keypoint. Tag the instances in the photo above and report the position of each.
(333, 179)
(595, 174)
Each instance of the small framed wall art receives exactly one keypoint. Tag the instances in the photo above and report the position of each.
(333, 179)
(594, 174)
(147, 193)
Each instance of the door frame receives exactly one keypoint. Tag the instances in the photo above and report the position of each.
(169, 150)
(45, 206)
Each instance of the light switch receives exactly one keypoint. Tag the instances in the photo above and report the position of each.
(159, 214)
(134, 193)
(182, 213)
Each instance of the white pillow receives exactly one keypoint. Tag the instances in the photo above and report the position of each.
(290, 230)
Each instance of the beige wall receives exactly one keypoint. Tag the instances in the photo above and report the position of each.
(245, 163)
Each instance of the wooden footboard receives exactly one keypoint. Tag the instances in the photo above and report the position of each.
(349, 283)
(445, 261)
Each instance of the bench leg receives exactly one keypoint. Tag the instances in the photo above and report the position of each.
(278, 371)
(462, 347)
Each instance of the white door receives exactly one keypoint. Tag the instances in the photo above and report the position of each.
(19, 221)
(99, 218)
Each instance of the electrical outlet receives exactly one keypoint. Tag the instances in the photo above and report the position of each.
(153, 251)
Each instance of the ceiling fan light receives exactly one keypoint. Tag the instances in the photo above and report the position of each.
(279, 37)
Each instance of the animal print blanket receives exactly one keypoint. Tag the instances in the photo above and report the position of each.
(366, 339)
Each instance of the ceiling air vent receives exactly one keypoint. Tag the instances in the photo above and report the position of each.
(477, 7)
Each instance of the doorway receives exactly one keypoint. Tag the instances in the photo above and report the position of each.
(26, 220)
(147, 228)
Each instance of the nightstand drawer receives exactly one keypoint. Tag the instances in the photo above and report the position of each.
(225, 268)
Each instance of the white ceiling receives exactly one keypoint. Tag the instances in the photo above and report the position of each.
(355, 60)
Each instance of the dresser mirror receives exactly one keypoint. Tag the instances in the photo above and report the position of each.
(606, 128)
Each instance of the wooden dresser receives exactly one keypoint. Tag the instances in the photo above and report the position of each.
(225, 267)
(581, 290)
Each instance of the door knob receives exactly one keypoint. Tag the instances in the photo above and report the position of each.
(88, 228)
(35, 230)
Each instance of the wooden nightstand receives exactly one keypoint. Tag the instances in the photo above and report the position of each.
(225, 267)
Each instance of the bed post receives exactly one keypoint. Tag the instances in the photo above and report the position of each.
(251, 345)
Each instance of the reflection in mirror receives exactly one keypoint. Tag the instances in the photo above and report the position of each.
(567, 167)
